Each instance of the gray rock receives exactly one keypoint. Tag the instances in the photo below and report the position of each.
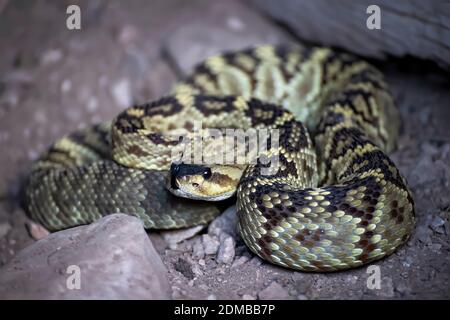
(274, 291)
(239, 262)
(402, 287)
(174, 237)
(51, 56)
(407, 262)
(423, 234)
(226, 250)
(225, 223)
(210, 244)
(121, 93)
(302, 282)
(4, 229)
(113, 258)
(435, 169)
(436, 247)
(256, 261)
(387, 288)
(437, 224)
(37, 231)
(221, 26)
(248, 297)
(197, 249)
(338, 22)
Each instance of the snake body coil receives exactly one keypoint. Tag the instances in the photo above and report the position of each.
(333, 204)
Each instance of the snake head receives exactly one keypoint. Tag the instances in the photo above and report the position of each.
(199, 182)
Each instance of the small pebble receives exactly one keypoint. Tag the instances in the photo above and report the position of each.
(4, 229)
(210, 244)
(437, 224)
(197, 249)
(240, 261)
(225, 223)
(37, 231)
(66, 85)
(176, 236)
(226, 250)
(121, 93)
(51, 56)
(273, 292)
(257, 261)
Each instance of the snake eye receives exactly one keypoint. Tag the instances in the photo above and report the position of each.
(207, 174)
(195, 185)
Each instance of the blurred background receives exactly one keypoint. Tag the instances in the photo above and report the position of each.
(54, 80)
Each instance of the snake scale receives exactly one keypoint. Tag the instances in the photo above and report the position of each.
(336, 201)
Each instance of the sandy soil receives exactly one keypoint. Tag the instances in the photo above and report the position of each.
(54, 80)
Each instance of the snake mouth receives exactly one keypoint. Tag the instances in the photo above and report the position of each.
(179, 192)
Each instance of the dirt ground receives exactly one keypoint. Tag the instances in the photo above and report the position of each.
(54, 80)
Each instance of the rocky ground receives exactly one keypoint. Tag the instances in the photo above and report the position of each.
(54, 80)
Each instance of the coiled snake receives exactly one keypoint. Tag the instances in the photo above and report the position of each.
(333, 204)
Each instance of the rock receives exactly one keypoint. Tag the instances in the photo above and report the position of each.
(386, 288)
(37, 231)
(225, 223)
(402, 287)
(113, 258)
(302, 282)
(128, 35)
(66, 85)
(436, 170)
(210, 244)
(423, 234)
(197, 270)
(173, 237)
(274, 292)
(220, 26)
(409, 21)
(436, 247)
(248, 297)
(197, 249)
(212, 297)
(51, 56)
(407, 262)
(256, 261)
(437, 224)
(226, 250)
(121, 93)
(4, 229)
(178, 293)
(240, 261)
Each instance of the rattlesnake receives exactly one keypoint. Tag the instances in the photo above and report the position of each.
(335, 202)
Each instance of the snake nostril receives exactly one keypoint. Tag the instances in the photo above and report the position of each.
(174, 169)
